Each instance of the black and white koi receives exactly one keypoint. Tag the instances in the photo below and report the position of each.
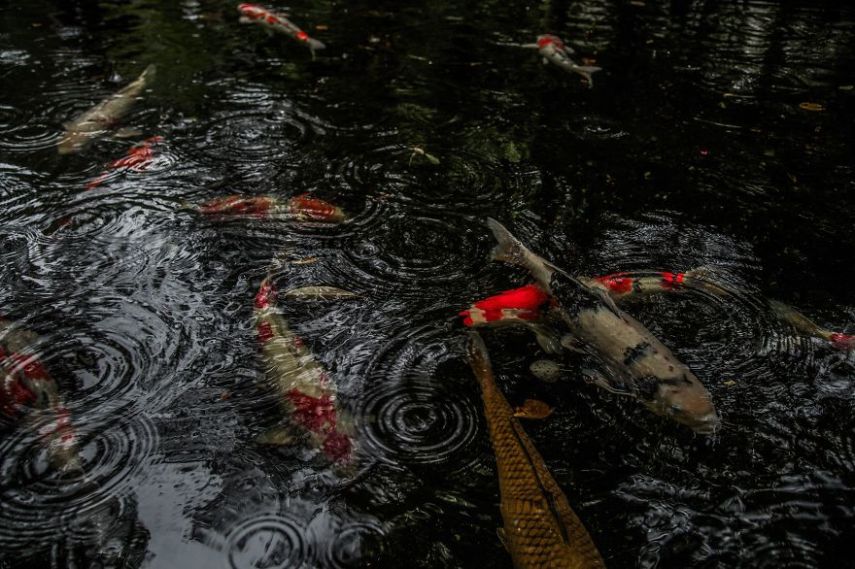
(637, 362)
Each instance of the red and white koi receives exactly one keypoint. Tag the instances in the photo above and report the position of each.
(552, 49)
(137, 159)
(257, 14)
(307, 393)
(28, 389)
(298, 208)
(103, 116)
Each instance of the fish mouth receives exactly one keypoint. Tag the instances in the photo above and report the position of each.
(706, 425)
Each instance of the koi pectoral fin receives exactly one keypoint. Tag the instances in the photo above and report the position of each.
(278, 436)
(533, 409)
(600, 380)
(546, 337)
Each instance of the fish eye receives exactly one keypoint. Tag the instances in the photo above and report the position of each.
(676, 409)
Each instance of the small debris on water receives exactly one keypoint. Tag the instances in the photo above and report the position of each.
(813, 107)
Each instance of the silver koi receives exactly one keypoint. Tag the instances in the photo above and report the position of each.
(640, 364)
(103, 116)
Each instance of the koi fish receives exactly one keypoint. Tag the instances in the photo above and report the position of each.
(28, 389)
(552, 49)
(306, 392)
(805, 325)
(299, 208)
(639, 364)
(541, 529)
(257, 14)
(137, 159)
(100, 118)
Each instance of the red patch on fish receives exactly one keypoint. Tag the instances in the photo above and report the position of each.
(266, 295)
(235, 205)
(137, 158)
(524, 303)
(842, 341)
(619, 282)
(316, 414)
(313, 208)
(253, 11)
(14, 395)
(302, 36)
(337, 446)
(546, 40)
(265, 332)
(672, 280)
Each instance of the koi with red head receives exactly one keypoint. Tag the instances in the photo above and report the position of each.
(257, 14)
(307, 394)
(553, 50)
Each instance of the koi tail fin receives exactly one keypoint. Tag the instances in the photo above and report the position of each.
(798, 320)
(148, 73)
(587, 71)
(315, 45)
(479, 357)
(509, 249)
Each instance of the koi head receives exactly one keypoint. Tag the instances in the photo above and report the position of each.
(252, 11)
(684, 399)
(237, 205)
(547, 40)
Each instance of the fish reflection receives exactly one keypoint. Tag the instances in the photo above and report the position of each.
(541, 529)
(637, 363)
(103, 116)
(304, 387)
(257, 14)
(298, 208)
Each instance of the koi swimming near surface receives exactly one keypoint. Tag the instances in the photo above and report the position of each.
(553, 49)
(257, 14)
(306, 392)
(103, 116)
(636, 362)
(28, 390)
(137, 159)
(540, 527)
(298, 208)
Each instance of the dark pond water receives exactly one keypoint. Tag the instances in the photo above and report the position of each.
(693, 148)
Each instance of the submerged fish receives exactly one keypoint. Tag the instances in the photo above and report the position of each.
(807, 326)
(257, 14)
(103, 116)
(137, 158)
(298, 208)
(637, 362)
(304, 387)
(541, 530)
(29, 390)
(552, 49)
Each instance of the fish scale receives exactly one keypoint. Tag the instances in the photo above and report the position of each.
(541, 530)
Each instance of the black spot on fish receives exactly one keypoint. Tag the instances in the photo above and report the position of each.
(647, 387)
(631, 355)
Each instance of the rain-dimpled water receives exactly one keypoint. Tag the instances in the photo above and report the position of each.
(715, 145)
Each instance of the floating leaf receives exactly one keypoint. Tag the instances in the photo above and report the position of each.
(815, 107)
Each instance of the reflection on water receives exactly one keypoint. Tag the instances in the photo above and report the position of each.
(693, 150)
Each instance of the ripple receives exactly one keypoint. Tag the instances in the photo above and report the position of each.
(415, 416)
(414, 253)
(347, 544)
(38, 498)
(268, 542)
